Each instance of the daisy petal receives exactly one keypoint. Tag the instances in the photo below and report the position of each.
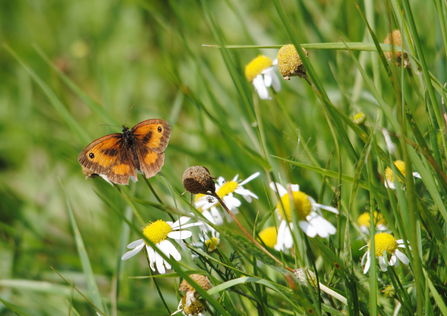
(135, 243)
(181, 234)
(132, 252)
(294, 187)
(180, 222)
(268, 79)
(417, 175)
(308, 229)
(393, 260)
(253, 176)
(368, 263)
(382, 264)
(281, 190)
(402, 257)
(159, 262)
(151, 256)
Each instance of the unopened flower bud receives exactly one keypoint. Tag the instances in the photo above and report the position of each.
(289, 62)
(197, 179)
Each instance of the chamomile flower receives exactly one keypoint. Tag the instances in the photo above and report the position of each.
(158, 232)
(308, 212)
(261, 73)
(209, 241)
(225, 190)
(385, 245)
(364, 221)
(190, 307)
(389, 175)
(269, 236)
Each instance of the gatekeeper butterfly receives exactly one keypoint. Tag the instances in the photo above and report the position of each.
(117, 157)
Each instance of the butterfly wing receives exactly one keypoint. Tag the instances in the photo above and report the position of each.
(151, 139)
(109, 158)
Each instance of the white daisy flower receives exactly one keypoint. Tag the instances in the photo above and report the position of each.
(385, 244)
(158, 232)
(225, 190)
(261, 73)
(309, 215)
(209, 241)
(389, 175)
(364, 221)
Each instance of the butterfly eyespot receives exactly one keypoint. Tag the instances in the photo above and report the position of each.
(159, 129)
(91, 155)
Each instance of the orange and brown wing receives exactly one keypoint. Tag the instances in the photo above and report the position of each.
(151, 139)
(109, 158)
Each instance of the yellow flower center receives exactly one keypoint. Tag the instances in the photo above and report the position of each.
(211, 244)
(227, 188)
(157, 231)
(301, 202)
(269, 236)
(256, 66)
(364, 219)
(384, 242)
(389, 172)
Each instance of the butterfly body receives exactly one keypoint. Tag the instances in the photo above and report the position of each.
(117, 157)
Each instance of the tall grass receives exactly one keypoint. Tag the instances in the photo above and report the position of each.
(69, 67)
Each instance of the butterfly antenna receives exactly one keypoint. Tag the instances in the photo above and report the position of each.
(130, 110)
(109, 125)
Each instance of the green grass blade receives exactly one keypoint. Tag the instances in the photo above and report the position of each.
(88, 271)
(57, 104)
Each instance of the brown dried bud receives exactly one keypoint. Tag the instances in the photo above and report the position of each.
(201, 280)
(289, 62)
(395, 39)
(197, 179)
(192, 306)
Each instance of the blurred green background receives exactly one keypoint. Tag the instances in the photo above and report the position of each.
(150, 54)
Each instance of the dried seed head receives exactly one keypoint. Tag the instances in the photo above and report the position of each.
(359, 118)
(197, 179)
(192, 307)
(201, 280)
(395, 39)
(289, 62)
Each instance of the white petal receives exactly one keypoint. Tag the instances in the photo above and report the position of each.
(417, 175)
(364, 255)
(180, 234)
(308, 229)
(253, 176)
(169, 250)
(218, 219)
(382, 264)
(281, 189)
(132, 252)
(268, 79)
(151, 256)
(288, 238)
(159, 262)
(260, 87)
(220, 181)
(181, 222)
(322, 226)
(402, 257)
(389, 184)
(135, 243)
(294, 187)
(280, 239)
(368, 263)
(231, 201)
(393, 260)
(327, 208)
(276, 82)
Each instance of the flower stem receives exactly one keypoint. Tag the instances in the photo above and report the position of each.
(321, 286)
